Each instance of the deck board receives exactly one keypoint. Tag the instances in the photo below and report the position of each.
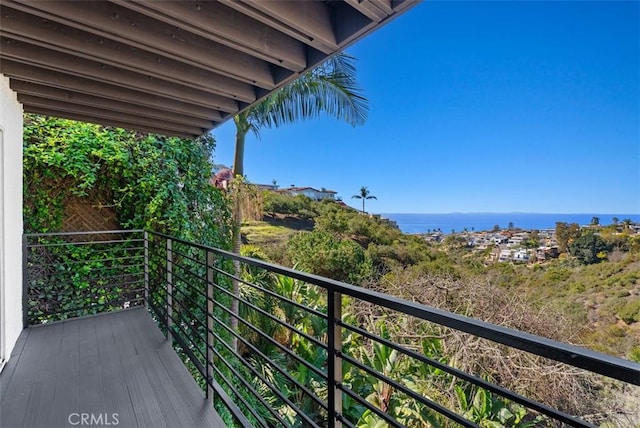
(112, 363)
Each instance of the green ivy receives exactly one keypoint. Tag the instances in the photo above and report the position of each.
(152, 181)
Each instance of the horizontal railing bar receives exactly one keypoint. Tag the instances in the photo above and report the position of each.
(284, 349)
(257, 330)
(156, 310)
(187, 350)
(239, 396)
(185, 281)
(246, 385)
(83, 243)
(120, 267)
(345, 421)
(189, 321)
(283, 371)
(194, 359)
(268, 315)
(593, 361)
(252, 369)
(94, 279)
(235, 372)
(272, 293)
(76, 262)
(199, 278)
(193, 302)
(429, 403)
(95, 232)
(188, 257)
(368, 405)
(498, 390)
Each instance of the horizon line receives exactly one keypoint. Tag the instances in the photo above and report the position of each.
(514, 212)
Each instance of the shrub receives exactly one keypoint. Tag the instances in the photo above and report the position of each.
(630, 312)
(589, 248)
(320, 253)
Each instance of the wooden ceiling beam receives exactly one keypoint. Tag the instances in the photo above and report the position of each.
(105, 122)
(31, 29)
(376, 10)
(174, 67)
(124, 25)
(41, 57)
(62, 95)
(215, 21)
(107, 114)
(306, 21)
(37, 75)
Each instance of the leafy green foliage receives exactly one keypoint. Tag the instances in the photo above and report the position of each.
(73, 277)
(153, 182)
(285, 204)
(478, 405)
(630, 312)
(565, 234)
(320, 253)
(589, 248)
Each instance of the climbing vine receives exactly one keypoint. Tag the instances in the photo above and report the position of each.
(151, 181)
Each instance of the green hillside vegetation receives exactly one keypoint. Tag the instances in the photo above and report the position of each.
(596, 291)
(589, 296)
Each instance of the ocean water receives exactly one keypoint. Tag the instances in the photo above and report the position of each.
(422, 223)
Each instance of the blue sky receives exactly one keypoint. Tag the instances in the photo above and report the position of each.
(479, 107)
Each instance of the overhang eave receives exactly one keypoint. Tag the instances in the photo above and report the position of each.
(172, 67)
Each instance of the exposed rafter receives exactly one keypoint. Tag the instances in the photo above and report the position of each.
(171, 67)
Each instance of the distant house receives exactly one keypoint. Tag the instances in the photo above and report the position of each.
(546, 253)
(505, 256)
(311, 193)
(521, 255)
(272, 187)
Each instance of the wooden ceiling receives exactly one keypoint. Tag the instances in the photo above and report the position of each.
(170, 67)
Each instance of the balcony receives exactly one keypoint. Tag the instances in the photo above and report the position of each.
(140, 324)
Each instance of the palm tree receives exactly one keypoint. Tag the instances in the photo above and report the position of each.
(364, 195)
(329, 88)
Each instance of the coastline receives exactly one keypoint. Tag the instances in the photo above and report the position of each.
(416, 223)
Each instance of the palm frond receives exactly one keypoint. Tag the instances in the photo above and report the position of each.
(330, 88)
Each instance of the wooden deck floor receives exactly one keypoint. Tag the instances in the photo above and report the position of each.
(116, 369)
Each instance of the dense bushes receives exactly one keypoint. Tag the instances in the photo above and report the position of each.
(320, 253)
(589, 248)
(630, 312)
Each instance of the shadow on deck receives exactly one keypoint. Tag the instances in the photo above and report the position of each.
(116, 368)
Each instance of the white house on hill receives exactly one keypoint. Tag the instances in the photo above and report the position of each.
(310, 192)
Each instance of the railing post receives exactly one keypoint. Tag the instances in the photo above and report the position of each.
(210, 339)
(25, 283)
(334, 361)
(169, 288)
(146, 269)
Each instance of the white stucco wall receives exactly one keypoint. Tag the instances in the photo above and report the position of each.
(10, 217)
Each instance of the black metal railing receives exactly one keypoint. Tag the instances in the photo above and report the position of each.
(291, 359)
(304, 350)
(67, 275)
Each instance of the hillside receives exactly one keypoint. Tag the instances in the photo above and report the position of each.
(600, 303)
